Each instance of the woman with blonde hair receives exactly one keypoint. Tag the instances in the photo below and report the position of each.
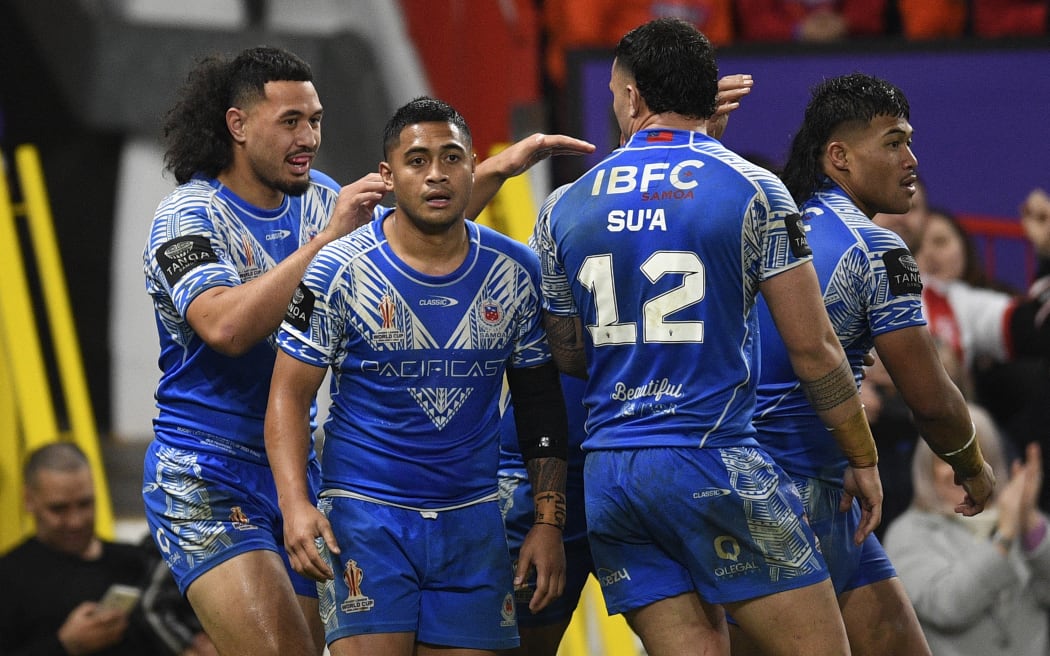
(980, 585)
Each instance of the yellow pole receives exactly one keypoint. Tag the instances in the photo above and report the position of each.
(19, 332)
(13, 524)
(63, 330)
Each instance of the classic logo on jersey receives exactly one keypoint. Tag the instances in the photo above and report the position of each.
(797, 234)
(356, 601)
(181, 255)
(711, 493)
(300, 308)
(275, 235)
(607, 577)
(438, 301)
(902, 272)
(440, 403)
(506, 611)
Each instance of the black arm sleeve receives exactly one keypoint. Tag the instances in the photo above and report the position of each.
(539, 412)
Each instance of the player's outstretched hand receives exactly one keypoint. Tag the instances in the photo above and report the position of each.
(543, 551)
(307, 534)
(522, 155)
(864, 484)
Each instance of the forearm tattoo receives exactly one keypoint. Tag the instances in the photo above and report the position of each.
(566, 344)
(547, 476)
(828, 391)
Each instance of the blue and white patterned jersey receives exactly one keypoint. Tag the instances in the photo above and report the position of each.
(418, 362)
(204, 236)
(871, 286)
(660, 250)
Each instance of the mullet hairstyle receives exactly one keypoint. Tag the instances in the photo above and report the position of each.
(673, 66)
(195, 127)
(845, 99)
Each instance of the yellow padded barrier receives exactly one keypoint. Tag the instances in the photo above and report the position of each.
(20, 338)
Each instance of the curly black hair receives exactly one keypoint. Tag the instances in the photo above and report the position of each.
(195, 127)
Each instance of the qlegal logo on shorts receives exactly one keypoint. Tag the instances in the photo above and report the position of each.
(607, 577)
(727, 548)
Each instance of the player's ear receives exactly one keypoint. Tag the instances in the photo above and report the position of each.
(235, 123)
(837, 153)
(386, 173)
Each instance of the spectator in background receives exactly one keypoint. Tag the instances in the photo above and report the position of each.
(980, 585)
(1009, 18)
(932, 19)
(938, 19)
(1012, 386)
(809, 21)
(54, 580)
(947, 252)
(599, 24)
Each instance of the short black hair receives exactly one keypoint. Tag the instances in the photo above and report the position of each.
(422, 109)
(673, 65)
(849, 98)
(57, 456)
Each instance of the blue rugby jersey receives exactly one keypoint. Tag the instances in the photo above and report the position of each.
(204, 236)
(660, 249)
(418, 362)
(871, 286)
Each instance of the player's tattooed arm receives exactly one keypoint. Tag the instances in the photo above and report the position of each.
(565, 336)
(547, 476)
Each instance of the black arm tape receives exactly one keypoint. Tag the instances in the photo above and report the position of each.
(539, 412)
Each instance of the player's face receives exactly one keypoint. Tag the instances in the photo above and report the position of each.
(63, 506)
(942, 253)
(282, 135)
(882, 166)
(431, 172)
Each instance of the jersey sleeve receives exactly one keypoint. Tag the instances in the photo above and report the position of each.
(557, 295)
(531, 347)
(895, 293)
(774, 224)
(317, 307)
(185, 256)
